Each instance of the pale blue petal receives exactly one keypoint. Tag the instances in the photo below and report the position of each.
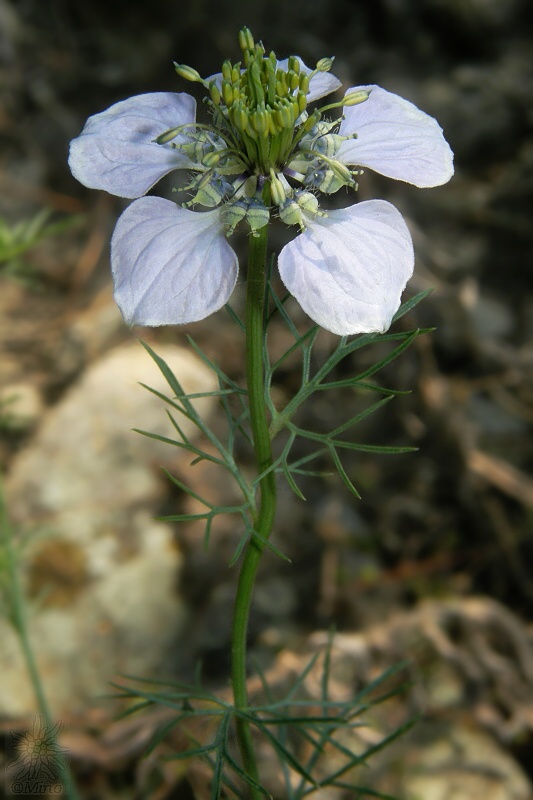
(321, 84)
(395, 139)
(349, 269)
(116, 152)
(170, 265)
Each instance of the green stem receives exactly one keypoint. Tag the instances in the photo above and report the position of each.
(264, 517)
(19, 621)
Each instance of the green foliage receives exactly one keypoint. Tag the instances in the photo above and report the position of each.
(233, 401)
(302, 730)
(13, 605)
(294, 719)
(16, 240)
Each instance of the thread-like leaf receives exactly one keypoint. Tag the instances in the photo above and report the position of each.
(169, 376)
(215, 368)
(290, 480)
(411, 303)
(235, 317)
(249, 779)
(222, 735)
(343, 474)
(361, 416)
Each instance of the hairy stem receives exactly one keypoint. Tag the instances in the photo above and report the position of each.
(264, 517)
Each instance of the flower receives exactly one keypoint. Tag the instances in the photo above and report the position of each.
(262, 154)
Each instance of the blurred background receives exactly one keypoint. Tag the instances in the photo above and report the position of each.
(433, 565)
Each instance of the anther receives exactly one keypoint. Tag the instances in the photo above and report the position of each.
(294, 80)
(167, 136)
(214, 91)
(354, 98)
(304, 83)
(226, 70)
(227, 93)
(325, 64)
(302, 102)
(210, 160)
(246, 40)
(294, 64)
(260, 122)
(277, 191)
(188, 73)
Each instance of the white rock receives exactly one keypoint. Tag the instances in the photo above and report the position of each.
(103, 576)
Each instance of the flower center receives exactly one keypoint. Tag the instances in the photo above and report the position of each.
(262, 140)
(262, 103)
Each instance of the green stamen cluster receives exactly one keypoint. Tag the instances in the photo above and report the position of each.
(261, 135)
(259, 104)
(263, 103)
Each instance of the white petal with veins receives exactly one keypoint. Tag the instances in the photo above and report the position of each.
(348, 270)
(170, 265)
(395, 139)
(115, 150)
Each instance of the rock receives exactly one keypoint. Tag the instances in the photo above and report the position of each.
(101, 574)
(461, 763)
(86, 449)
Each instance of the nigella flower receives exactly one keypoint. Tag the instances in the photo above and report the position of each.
(263, 154)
